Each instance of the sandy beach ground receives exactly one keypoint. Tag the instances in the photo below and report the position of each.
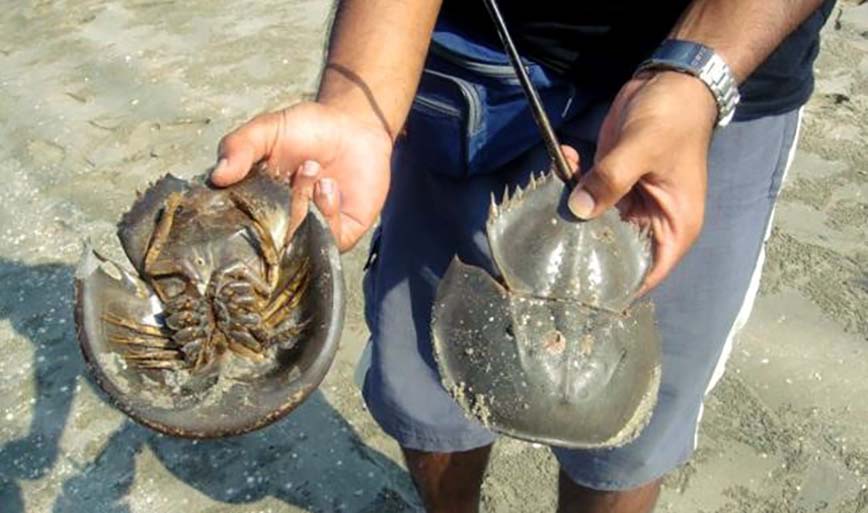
(100, 97)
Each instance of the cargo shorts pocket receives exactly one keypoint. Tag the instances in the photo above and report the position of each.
(470, 115)
(442, 122)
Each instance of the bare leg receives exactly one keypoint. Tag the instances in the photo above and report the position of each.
(573, 498)
(448, 482)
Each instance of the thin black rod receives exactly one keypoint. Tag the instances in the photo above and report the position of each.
(562, 169)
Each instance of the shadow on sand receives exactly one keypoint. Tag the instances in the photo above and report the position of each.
(313, 459)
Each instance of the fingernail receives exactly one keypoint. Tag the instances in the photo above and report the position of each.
(581, 203)
(310, 168)
(327, 187)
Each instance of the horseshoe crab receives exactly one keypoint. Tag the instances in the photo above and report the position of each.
(554, 349)
(232, 316)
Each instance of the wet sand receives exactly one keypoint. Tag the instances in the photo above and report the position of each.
(101, 97)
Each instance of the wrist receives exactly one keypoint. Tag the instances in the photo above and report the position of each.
(345, 91)
(691, 94)
(350, 121)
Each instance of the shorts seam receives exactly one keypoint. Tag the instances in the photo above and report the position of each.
(399, 426)
(790, 140)
(619, 485)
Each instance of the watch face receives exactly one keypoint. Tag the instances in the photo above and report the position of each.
(700, 61)
(693, 55)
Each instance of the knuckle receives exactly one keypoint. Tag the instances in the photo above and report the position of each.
(611, 180)
(229, 141)
(246, 133)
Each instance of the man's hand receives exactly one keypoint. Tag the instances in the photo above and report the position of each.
(338, 149)
(652, 163)
(338, 160)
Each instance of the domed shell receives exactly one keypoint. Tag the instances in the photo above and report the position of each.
(542, 249)
(555, 350)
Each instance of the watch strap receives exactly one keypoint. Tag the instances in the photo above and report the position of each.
(703, 63)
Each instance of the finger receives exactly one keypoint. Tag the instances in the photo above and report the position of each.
(303, 181)
(673, 234)
(242, 148)
(327, 198)
(608, 181)
(305, 177)
(346, 229)
(572, 157)
(666, 255)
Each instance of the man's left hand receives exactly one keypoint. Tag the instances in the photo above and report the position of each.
(652, 160)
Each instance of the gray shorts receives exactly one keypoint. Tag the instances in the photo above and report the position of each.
(437, 208)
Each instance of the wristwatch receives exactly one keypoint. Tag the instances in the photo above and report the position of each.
(703, 63)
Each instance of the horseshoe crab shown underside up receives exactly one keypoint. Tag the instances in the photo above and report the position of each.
(554, 349)
(231, 315)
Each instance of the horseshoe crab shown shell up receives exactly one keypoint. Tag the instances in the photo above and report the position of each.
(231, 317)
(554, 350)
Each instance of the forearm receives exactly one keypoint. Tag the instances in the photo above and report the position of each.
(376, 55)
(744, 32)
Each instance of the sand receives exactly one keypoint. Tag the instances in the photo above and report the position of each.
(99, 97)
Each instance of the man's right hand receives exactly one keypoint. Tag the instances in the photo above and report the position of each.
(328, 155)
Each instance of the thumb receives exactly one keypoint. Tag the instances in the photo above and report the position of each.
(241, 149)
(608, 181)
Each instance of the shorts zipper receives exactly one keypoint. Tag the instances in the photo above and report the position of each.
(437, 106)
(471, 95)
(501, 71)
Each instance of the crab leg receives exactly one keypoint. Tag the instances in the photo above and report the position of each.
(199, 352)
(157, 343)
(266, 242)
(155, 355)
(289, 328)
(285, 330)
(244, 338)
(292, 292)
(276, 322)
(240, 293)
(206, 354)
(167, 359)
(161, 233)
(238, 346)
(159, 364)
(141, 329)
(281, 311)
(237, 269)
